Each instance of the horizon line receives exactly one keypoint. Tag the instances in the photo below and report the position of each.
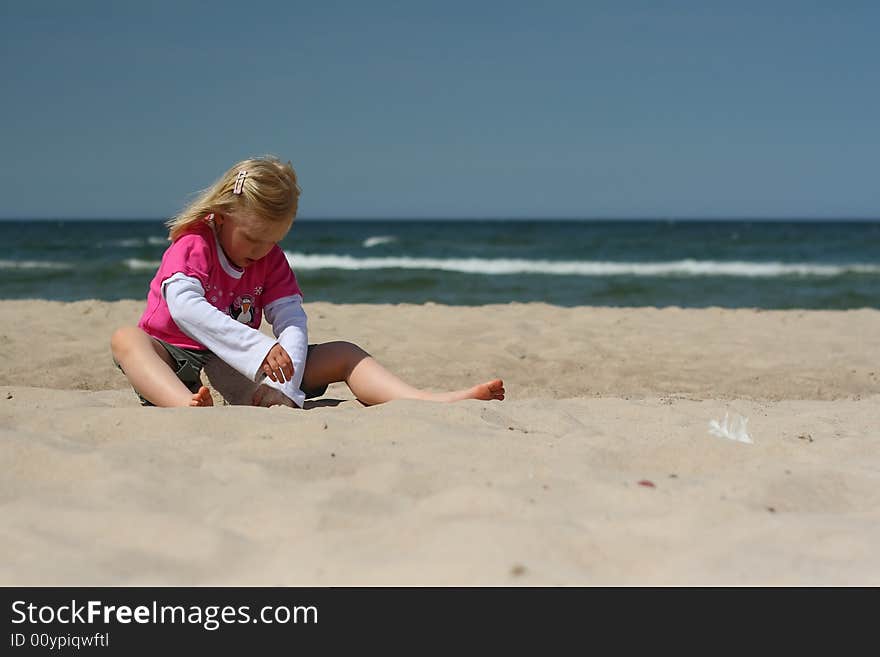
(780, 218)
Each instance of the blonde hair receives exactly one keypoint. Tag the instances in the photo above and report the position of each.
(269, 190)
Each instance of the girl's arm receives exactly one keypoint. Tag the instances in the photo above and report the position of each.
(290, 326)
(241, 346)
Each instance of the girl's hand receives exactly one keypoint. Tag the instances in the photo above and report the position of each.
(277, 365)
(266, 396)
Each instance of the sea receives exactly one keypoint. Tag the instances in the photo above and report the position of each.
(686, 263)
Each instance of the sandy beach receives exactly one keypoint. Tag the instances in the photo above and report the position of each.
(598, 468)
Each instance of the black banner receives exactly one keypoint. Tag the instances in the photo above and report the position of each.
(246, 620)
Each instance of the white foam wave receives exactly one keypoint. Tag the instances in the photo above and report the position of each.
(131, 242)
(376, 240)
(34, 264)
(501, 266)
(136, 264)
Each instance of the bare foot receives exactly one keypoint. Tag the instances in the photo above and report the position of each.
(488, 391)
(202, 398)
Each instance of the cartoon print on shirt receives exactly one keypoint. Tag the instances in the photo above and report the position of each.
(241, 309)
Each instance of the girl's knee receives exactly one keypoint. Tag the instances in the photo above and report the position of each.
(122, 338)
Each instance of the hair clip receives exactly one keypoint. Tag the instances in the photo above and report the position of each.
(239, 182)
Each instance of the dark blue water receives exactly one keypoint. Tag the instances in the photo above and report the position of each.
(625, 263)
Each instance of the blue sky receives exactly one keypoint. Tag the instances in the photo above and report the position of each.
(446, 109)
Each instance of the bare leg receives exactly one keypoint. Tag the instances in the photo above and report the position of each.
(148, 367)
(373, 384)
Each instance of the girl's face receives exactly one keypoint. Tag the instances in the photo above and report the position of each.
(246, 238)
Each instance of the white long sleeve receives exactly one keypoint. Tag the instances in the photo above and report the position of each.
(242, 347)
(290, 326)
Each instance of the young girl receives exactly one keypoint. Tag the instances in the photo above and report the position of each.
(223, 271)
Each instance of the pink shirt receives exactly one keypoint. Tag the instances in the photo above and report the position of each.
(242, 294)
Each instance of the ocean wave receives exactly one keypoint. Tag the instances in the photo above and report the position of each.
(502, 266)
(136, 264)
(132, 242)
(376, 240)
(34, 264)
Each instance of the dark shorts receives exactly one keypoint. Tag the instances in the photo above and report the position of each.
(190, 363)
